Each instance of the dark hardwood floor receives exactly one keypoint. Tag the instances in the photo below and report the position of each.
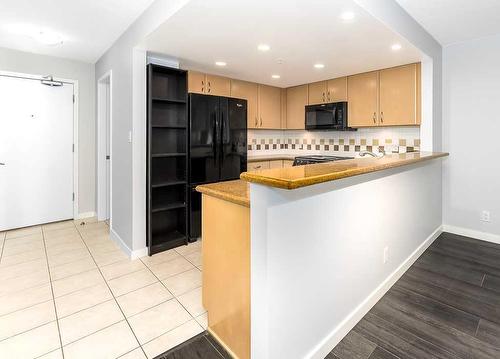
(447, 305)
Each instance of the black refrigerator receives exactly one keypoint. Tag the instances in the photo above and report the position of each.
(217, 147)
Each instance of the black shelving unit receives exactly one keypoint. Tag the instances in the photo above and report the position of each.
(167, 141)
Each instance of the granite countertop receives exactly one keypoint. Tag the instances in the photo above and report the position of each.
(233, 191)
(301, 176)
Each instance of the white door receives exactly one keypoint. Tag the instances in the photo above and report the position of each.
(36, 140)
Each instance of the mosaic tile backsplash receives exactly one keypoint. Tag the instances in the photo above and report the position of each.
(394, 139)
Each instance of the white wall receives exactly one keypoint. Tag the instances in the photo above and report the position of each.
(28, 63)
(317, 254)
(471, 133)
(128, 223)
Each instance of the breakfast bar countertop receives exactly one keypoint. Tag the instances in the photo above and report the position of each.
(236, 191)
(302, 176)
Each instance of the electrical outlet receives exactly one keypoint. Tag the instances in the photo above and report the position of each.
(386, 254)
(485, 216)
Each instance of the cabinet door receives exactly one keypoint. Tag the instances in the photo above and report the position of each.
(196, 82)
(362, 93)
(218, 86)
(337, 90)
(398, 96)
(296, 100)
(287, 163)
(250, 92)
(269, 107)
(257, 166)
(317, 93)
(276, 164)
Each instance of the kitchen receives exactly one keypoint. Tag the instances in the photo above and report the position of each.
(317, 147)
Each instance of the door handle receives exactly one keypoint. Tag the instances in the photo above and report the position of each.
(107, 157)
(2, 164)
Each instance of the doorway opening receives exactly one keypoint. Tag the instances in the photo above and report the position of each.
(104, 148)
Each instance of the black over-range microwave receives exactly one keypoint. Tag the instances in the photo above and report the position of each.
(327, 116)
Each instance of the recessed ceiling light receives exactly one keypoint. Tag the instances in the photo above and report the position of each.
(263, 47)
(347, 15)
(220, 63)
(43, 36)
(275, 76)
(319, 66)
(396, 47)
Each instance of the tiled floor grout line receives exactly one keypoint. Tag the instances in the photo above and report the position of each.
(114, 297)
(53, 296)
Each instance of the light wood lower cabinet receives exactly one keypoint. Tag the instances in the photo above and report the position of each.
(257, 166)
(226, 273)
(287, 163)
(296, 100)
(276, 164)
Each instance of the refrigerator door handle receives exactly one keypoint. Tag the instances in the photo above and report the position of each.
(214, 135)
(222, 138)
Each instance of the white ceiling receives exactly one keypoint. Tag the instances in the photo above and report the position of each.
(451, 21)
(89, 27)
(299, 32)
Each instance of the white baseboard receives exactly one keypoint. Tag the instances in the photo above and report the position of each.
(484, 236)
(325, 346)
(130, 253)
(85, 215)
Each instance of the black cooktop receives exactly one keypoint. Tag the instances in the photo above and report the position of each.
(305, 160)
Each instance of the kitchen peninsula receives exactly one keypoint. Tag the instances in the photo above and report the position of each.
(297, 256)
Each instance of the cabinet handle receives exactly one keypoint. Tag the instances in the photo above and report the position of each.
(382, 116)
(324, 97)
(374, 117)
(328, 95)
(257, 167)
(256, 123)
(209, 86)
(202, 86)
(261, 122)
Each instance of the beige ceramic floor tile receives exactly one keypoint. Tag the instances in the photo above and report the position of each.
(110, 342)
(88, 321)
(158, 320)
(171, 339)
(130, 282)
(52, 243)
(162, 257)
(190, 248)
(192, 302)
(21, 269)
(56, 354)
(26, 319)
(194, 258)
(58, 225)
(69, 269)
(78, 222)
(34, 279)
(32, 238)
(60, 233)
(134, 354)
(109, 258)
(202, 320)
(24, 299)
(68, 257)
(121, 268)
(170, 268)
(31, 344)
(183, 282)
(21, 245)
(82, 299)
(21, 232)
(144, 298)
(66, 247)
(22, 257)
(76, 282)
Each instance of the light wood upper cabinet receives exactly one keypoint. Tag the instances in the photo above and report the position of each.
(218, 85)
(363, 99)
(336, 90)
(317, 93)
(196, 82)
(269, 107)
(398, 96)
(208, 84)
(296, 100)
(250, 92)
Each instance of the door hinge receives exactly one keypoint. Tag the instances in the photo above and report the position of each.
(73, 196)
(73, 148)
(73, 98)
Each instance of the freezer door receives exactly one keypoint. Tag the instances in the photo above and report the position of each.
(204, 132)
(233, 146)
